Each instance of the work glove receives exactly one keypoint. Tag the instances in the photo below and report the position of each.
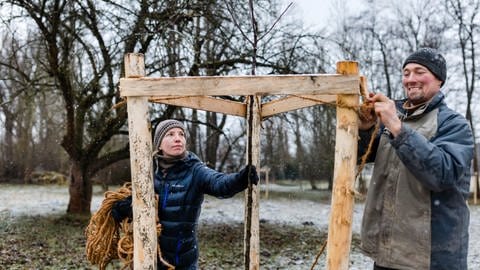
(122, 209)
(253, 174)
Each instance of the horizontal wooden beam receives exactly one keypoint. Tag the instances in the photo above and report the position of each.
(294, 103)
(312, 84)
(205, 103)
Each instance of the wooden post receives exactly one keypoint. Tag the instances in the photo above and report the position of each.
(341, 215)
(306, 90)
(143, 199)
(252, 224)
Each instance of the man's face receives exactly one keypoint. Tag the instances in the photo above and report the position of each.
(419, 83)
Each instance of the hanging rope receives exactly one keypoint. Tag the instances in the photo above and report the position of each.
(108, 240)
(319, 254)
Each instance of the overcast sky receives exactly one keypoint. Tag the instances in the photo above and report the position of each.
(317, 12)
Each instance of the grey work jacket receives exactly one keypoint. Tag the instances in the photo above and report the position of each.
(416, 216)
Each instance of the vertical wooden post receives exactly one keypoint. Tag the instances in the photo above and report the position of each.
(143, 199)
(252, 224)
(341, 215)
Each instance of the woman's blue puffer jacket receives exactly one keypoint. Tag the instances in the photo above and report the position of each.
(181, 189)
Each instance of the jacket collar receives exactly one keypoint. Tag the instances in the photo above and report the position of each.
(430, 105)
(189, 160)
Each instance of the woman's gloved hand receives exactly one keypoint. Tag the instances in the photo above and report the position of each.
(249, 170)
(122, 209)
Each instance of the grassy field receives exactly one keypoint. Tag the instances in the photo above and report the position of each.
(57, 242)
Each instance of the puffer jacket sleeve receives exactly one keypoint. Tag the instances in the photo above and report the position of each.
(442, 162)
(218, 184)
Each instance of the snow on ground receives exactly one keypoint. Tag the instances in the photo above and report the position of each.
(43, 200)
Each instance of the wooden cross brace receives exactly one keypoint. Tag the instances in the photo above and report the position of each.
(300, 91)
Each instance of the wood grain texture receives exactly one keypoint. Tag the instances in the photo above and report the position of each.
(315, 84)
(341, 215)
(143, 199)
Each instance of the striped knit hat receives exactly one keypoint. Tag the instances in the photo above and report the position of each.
(162, 129)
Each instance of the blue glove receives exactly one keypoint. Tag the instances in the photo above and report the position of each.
(244, 173)
(122, 209)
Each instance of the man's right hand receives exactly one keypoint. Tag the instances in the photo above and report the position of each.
(386, 112)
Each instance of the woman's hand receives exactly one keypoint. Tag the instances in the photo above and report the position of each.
(249, 171)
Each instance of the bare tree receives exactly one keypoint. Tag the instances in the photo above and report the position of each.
(30, 134)
(82, 44)
(381, 37)
(466, 16)
(82, 62)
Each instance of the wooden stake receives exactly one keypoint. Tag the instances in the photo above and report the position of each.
(341, 215)
(143, 199)
(252, 224)
(345, 87)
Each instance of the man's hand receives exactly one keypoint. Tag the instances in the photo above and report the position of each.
(387, 112)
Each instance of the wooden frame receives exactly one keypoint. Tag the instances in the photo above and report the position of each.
(301, 91)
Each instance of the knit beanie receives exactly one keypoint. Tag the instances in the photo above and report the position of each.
(162, 129)
(430, 59)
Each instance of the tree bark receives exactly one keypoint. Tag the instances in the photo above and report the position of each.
(212, 140)
(80, 189)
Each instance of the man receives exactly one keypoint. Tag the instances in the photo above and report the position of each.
(416, 215)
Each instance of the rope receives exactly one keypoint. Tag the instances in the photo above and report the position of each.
(366, 112)
(102, 232)
(319, 254)
(108, 240)
(364, 158)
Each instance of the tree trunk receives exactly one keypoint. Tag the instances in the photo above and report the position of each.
(313, 184)
(80, 190)
(212, 140)
(193, 132)
(9, 163)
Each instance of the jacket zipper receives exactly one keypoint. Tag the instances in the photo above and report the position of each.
(165, 189)
(165, 195)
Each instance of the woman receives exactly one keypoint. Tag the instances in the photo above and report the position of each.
(180, 181)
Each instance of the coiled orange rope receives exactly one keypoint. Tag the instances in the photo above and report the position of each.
(108, 240)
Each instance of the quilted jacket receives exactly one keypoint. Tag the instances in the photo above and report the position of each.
(181, 190)
(416, 215)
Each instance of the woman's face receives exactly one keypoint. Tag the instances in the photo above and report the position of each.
(419, 83)
(173, 143)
